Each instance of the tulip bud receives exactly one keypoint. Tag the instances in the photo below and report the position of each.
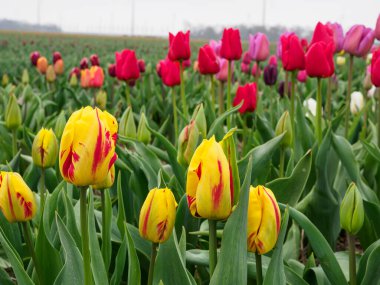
(141, 64)
(25, 77)
(112, 70)
(50, 74)
(45, 148)
(5, 80)
(264, 218)
(157, 215)
(143, 134)
(73, 80)
(56, 56)
(284, 125)
(16, 199)
(208, 187)
(42, 64)
(13, 117)
(34, 56)
(127, 126)
(108, 182)
(357, 102)
(340, 60)
(367, 83)
(94, 60)
(60, 124)
(187, 143)
(84, 63)
(101, 99)
(352, 210)
(59, 67)
(200, 119)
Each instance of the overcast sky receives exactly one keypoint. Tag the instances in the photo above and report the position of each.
(158, 17)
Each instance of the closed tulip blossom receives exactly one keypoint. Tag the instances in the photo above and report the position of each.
(358, 40)
(338, 35)
(187, 143)
(208, 62)
(272, 60)
(96, 77)
(322, 33)
(246, 58)
(208, 190)
(293, 57)
(258, 47)
(216, 46)
(304, 44)
(255, 71)
(311, 106)
(302, 76)
(108, 182)
(94, 60)
(75, 71)
(45, 148)
(264, 219)
(87, 150)
(231, 48)
(56, 56)
(357, 102)
(17, 201)
(34, 56)
(170, 73)
(179, 46)
(42, 64)
(84, 63)
(186, 63)
(59, 67)
(270, 74)
(141, 65)
(223, 72)
(320, 60)
(157, 215)
(248, 93)
(85, 78)
(126, 65)
(112, 70)
(375, 68)
(244, 68)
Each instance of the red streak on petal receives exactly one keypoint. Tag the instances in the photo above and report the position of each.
(114, 137)
(161, 228)
(260, 244)
(146, 218)
(26, 205)
(42, 154)
(68, 166)
(10, 200)
(218, 189)
(190, 200)
(98, 155)
(112, 161)
(199, 171)
(251, 240)
(277, 214)
(62, 153)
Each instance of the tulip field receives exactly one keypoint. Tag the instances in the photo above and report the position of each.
(138, 160)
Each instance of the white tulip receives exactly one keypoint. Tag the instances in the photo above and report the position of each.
(311, 105)
(357, 102)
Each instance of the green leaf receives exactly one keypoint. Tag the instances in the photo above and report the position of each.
(320, 247)
(169, 260)
(97, 263)
(288, 190)
(13, 257)
(106, 230)
(4, 278)
(363, 263)
(216, 125)
(372, 272)
(134, 274)
(72, 271)
(120, 263)
(231, 267)
(275, 273)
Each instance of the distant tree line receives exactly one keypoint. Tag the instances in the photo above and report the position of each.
(26, 27)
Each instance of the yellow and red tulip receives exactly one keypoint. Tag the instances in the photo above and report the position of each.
(264, 219)
(108, 182)
(17, 201)
(208, 190)
(157, 215)
(87, 150)
(45, 148)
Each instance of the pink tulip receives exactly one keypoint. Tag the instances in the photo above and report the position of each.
(273, 60)
(338, 35)
(302, 76)
(244, 68)
(358, 40)
(246, 58)
(223, 73)
(255, 70)
(258, 47)
(216, 45)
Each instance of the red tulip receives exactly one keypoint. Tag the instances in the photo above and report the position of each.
(126, 65)
(244, 67)
(304, 44)
(255, 70)
(169, 71)
(84, 63)
(112, 70)
(273, 60)
(179, 46)
(293, 56)
(375, 68)
(231, 45)
(319, 59)
(302, 76)
(141, 64)
(34, 56)
(208, 63)
(56, 56)
(248, 93)
(94, 60)
(246, 58)
(186, 63)
(323, 33)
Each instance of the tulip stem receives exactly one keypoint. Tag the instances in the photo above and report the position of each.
(221, 98)
(152, 262)
(229, 93)
(183, 98)
(85, 238)
(292, 107)
(128, 95)
(378, 116)
(363, 132)
(106, 243)
(212, 91)
(348, 97)
(259, 271)
(94, 96)
(29, 243)
(282, 161)
(42, 193)
(352, 259)
(212, 246)
(328, 103)
(175, 115)
(319, 111)
(14, 142)
(286, 85)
